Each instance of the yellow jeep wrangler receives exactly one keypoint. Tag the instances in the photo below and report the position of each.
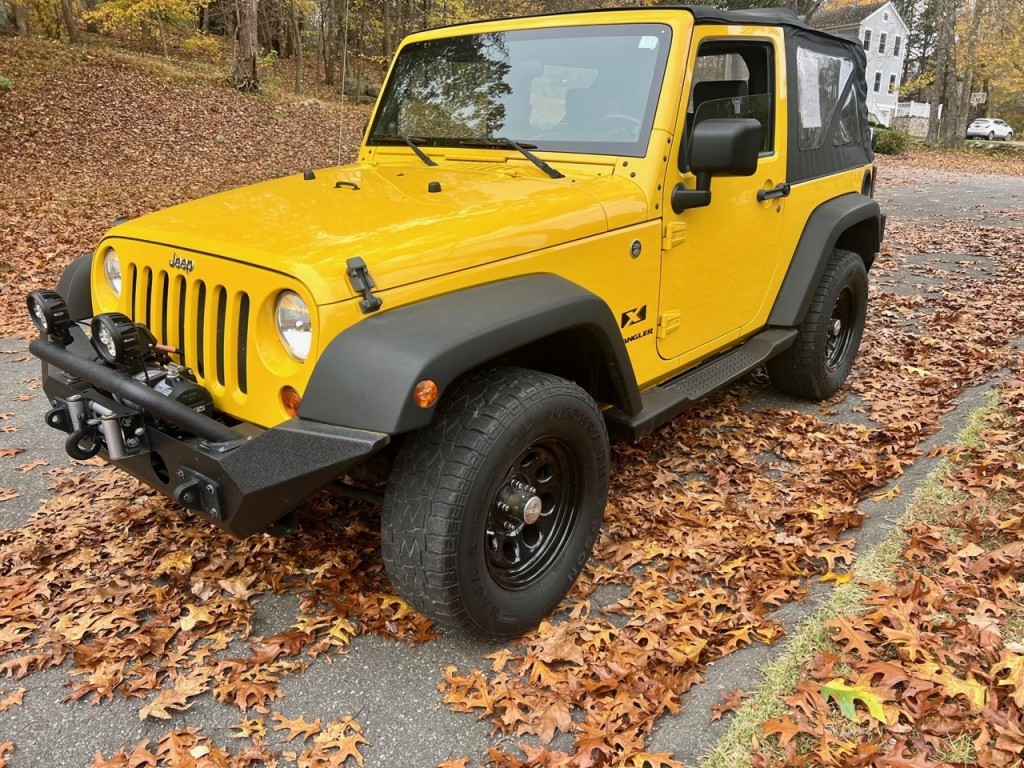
(558, 228)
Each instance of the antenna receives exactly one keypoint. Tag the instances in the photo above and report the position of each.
(344, 75)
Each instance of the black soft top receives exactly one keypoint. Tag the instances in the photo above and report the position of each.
(831, 156)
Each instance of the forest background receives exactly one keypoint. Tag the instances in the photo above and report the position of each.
(341, 48)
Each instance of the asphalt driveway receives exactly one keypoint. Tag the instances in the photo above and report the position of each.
(391, 688)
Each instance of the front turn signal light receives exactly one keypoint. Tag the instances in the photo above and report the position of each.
(291, 400)
(424, 394)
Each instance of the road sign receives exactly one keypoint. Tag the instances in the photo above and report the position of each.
(979, 98)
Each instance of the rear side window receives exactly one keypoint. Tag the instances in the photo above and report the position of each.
(822, 84)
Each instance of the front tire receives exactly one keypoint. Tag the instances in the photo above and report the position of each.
(820, 359)
(492, 510)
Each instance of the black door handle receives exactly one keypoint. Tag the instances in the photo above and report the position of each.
(782, 190)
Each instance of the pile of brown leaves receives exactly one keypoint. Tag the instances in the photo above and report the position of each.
(933, 671)
(146, 604)
(1006, 159)
(714, 521)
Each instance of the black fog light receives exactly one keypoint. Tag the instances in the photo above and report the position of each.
(50, 313)
(115, 337)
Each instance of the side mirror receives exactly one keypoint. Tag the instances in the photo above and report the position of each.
(718, 147)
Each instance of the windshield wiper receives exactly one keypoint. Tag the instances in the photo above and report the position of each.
(523, 149)
(409, 141)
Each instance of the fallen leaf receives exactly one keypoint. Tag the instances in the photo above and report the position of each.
(845, 695)
(296, 727)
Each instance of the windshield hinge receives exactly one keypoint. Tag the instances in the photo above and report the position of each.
(359, 275)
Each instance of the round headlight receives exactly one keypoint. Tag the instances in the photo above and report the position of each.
(294, 325)
(112, 271)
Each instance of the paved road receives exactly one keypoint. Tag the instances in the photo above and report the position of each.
(392, 689)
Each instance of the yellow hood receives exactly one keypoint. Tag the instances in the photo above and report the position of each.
(388, 216)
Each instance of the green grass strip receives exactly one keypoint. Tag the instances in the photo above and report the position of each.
(782, 675)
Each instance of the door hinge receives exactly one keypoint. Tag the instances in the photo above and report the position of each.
(675, 235)
(359, 275)
(667, 323)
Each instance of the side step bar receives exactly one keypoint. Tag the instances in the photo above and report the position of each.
(663, 403)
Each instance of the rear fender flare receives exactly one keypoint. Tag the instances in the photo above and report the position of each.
(852, 221)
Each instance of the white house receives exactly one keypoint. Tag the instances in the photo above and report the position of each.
(883, 33)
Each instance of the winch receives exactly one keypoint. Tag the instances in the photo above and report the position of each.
(177, 383)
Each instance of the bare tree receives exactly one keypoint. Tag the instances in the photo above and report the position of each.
(945, 60)
(21, 18)
(69, 20)
(805, 7)
(954, 70)
(245, 76)
(957, 125)
(297, 47)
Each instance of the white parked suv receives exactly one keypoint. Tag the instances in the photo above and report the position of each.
(989, 128)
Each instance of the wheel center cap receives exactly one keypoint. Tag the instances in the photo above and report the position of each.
(837, 326)
(520, 502)
(531, 512)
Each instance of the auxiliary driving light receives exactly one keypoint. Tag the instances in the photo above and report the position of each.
(50, 313)
(115, 337)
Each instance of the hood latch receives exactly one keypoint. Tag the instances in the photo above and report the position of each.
(359, 276)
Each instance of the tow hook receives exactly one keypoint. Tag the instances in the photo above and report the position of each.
(83, 443)
(91, 426)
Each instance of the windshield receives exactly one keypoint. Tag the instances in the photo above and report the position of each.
(588, 89)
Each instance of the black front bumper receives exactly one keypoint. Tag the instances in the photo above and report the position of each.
(243, 483)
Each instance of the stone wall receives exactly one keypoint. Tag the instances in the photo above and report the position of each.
(915, 126)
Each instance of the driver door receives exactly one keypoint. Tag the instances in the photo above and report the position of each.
(718, 262)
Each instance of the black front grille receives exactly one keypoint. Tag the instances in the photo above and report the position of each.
(182, 305)
(170, 304)
(201, 331)
(222, 318)
(164, 288)
(243, 343)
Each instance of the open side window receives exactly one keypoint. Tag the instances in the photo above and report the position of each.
(734, 79)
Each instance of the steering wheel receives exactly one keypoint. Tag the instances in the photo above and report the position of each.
(616, 126)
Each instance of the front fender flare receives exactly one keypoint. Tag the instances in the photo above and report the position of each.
(365, 377)
(75, 285)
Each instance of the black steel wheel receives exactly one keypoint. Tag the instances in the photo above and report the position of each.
(546, 481)
(492, 510)
(841, 329)
(820, 359)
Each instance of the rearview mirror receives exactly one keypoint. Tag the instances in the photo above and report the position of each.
(718, 147)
